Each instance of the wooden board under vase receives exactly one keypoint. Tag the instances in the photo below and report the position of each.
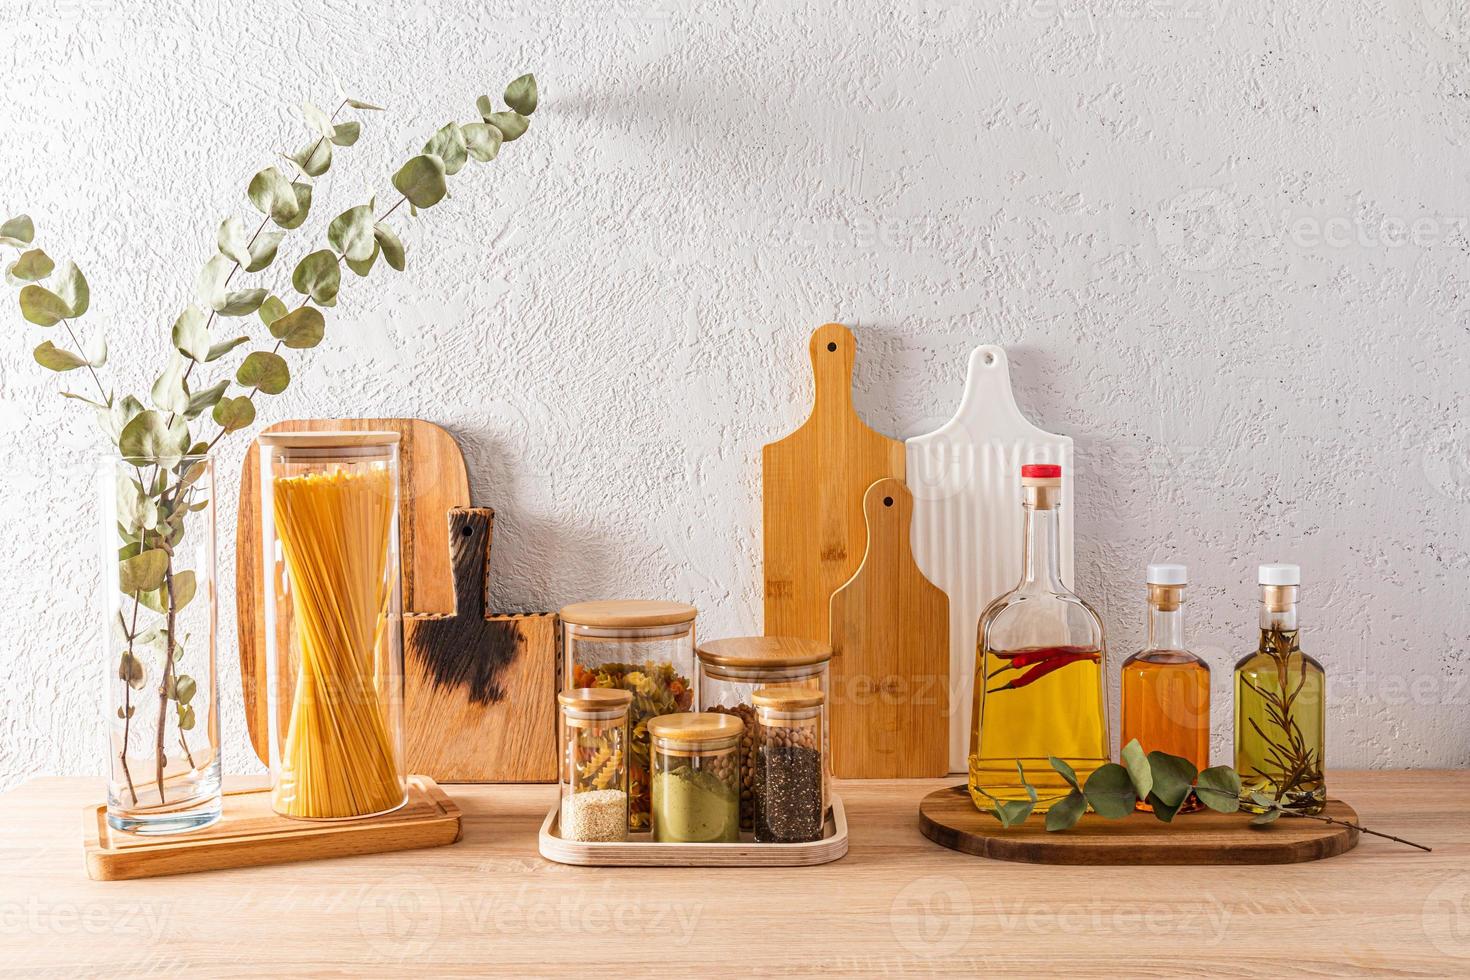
(812, 485)
(250, 833)
(949, 817)
(642, 851)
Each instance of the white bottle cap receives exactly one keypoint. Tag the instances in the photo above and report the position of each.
(1168, 575)
(1280, 575)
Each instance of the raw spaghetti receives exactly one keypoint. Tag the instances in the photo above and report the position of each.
(339, 758)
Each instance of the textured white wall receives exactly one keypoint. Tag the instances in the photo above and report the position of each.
(1224, 242)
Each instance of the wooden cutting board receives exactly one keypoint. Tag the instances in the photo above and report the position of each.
(966, 480)
(477, 672)
(812, 489)
(949, 817)
(890, 654)
(480, 686)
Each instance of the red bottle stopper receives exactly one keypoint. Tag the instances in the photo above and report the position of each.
(1041, 471)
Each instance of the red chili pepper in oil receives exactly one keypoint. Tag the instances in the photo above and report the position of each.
(1046, 666)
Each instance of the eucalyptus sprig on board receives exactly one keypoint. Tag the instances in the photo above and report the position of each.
(1165, 782)
(158, 442)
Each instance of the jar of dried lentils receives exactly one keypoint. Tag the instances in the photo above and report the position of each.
(645, 647)
(732, 670)
(789, 763)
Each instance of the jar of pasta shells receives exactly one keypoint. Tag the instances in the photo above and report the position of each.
(732, 670)
(645, 647)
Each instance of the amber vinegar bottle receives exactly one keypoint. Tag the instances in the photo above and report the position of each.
(1039, 669)
(1165, 688)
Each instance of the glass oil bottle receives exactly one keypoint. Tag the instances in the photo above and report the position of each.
(1165, 688)
(1039, 669)
(1280, 704)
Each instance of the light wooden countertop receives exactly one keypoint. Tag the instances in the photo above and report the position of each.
(896, 905)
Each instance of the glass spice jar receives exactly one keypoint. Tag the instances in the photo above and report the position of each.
(594, 764)
(696, 778)
(645, 647)
(732, 670)
(789, 765)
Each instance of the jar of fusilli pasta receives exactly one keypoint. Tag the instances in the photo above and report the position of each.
(333, 622)
(594, 764)
(646, 648)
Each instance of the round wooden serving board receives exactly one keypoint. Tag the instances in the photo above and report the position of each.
(948, 817)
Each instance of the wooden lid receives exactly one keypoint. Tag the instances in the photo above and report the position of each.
(628, 612)
(595, 698)
(786, 698)
(764, 651)
(326, 440)
(695, 726)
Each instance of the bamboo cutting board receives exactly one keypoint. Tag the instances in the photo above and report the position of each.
(812, 487)
(890, 654)
(949, 817)
(966, 481)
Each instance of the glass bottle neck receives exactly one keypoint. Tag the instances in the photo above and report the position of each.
(1042, 561)
(1278, 607)
(1165, 628)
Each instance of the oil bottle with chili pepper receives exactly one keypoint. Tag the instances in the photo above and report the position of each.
(1166, 689)
(1039, 684)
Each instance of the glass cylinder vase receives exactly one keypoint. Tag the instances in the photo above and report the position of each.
(158, 584)
(333, 623)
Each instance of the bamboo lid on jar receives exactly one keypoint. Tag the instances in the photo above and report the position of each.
(787, 698)
(327, 440)
(764, 651)
(695, 726)
(595, 699)
(622, 613)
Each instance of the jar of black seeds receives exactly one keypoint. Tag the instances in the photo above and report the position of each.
(789, 764)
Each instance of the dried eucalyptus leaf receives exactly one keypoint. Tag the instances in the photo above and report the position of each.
(83, 398)
(216, 351)
(72, 287)
(272, 194)
(263, 250)
(209, 288)
(240, 302)
(1013, 812)
(150, 436)
(315, 158)
(482, 141)
(302, 195)
(1136, 762)
(421, 180)
(1218, 788)
(190, 336)
(272, 310)
(186, 718)
(300, 329)
(233, 240)
(1065, 769)
(42, 307)
(201, 400)
(18, 231)
(448, 144)
(95, 351)
(512, 125)
(169, 393)
(185, 586)
(351, 233)
(392, 248)
(234, 413)
(364, 105)
(48, 355)
(366, 265)
(318, 276)
(1263, 819)
(317, 120)
(345, 134)
(485, 107)
(32, 266)
(130, 669)
(1110, 792)
(1064, 815)
(521, 94)
(1162, 811)
(1172, 777)
(143, 572)
(118, 415)
(264, 370)
(184, 687)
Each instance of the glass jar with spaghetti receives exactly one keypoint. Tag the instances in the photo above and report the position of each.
(333, 622)
(696, 778)
(788, 763)
(645, 647)
(594, 764)
(732, 670)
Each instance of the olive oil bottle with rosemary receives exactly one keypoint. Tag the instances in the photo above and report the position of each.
(1280, 704)
(1039, 671)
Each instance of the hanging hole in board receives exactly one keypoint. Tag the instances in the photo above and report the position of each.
(466, 531)
(989, 357)
(832, 345)
(887, 501)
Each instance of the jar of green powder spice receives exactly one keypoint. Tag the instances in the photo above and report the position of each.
(696, 778)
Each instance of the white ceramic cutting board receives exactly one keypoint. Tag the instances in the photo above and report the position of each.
(966, 534)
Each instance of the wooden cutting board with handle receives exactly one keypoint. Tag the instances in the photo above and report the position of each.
(476, 677)
(890, 654)
(812, 488)
(966, 480)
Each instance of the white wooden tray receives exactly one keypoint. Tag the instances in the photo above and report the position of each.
(642, 851)
(966, 534)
